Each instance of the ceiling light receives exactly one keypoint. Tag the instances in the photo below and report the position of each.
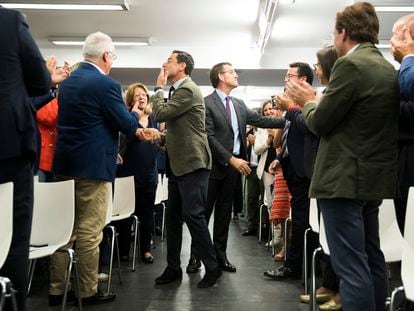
(90, 5)
(394, 8)
(117, 41)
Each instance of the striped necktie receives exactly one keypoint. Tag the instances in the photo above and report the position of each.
(228, 110)
(284, 138)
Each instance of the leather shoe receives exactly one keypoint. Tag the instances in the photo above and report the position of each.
(209, 279)
(169, 275)
(225, 265)
(194, 265)
(282, 273)
(249, 232)
(98, 298)
(56, 300)
(320, 298)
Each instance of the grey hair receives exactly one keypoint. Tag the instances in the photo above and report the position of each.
(96, 44)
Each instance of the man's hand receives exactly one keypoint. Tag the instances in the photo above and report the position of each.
(162, 78)
(300, 92)
(251, 139)
(274, 166)
(283, 102)
(151, 135)
(402, 46)
(57, 74)
(240, 165)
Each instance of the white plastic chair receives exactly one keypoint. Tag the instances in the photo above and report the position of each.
(407, 267)
(124, 206)
(161, 195)
(52, 226)
(6, 232)
(314, 226)
(391, 239)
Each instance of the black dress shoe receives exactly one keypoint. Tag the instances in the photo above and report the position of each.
(209, 279)
(283, 273)
(194, 264)
(147, 259)
(249, 232)
(56, 300)
(125, 258)
(99, 298)
(169, 275)
(225, 265)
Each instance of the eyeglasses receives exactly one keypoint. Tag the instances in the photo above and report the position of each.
(231, 71)
(114, 57)
(315, 66)
(289, 75)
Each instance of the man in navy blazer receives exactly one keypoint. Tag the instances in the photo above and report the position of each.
(402, 46)
(24, 74)
(91, 114)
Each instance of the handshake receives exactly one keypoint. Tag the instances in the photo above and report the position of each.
(151, 135)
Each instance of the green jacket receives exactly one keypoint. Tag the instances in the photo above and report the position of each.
(357, 122)
(186, 139)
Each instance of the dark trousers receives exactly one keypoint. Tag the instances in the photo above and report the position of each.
(220, 199)
(255, 192)
(330, 279)
(144, 210)
(298, 188)
(405, 179)
(238, 196)
(19, 171)
(353, 240)
(187, 198)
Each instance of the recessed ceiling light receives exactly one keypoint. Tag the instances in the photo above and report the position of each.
(91, 5)
(394, 8)
(117, 41)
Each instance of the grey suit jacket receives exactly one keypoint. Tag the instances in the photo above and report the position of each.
(186, 138)
(220, 132)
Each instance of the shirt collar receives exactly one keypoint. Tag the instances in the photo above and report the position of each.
(96, 66)
(222, 95)
(353, 49)
(177, 83)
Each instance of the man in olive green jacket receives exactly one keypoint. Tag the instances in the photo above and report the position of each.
(356, 161)
(190, 162)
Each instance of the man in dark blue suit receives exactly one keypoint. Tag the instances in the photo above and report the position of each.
(91, 114)
(24, 74)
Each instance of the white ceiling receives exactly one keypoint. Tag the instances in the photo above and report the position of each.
(211, 30)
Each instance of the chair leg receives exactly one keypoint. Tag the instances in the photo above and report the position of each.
(32, 266)
(286, 237)
(312, 302)
(135, 222)
(7, 291)
(393, 295)
(108, 288)
(305, 260)
(75, 265)
(119, 257)
(260, 223)
(68, 274)
(163, 221)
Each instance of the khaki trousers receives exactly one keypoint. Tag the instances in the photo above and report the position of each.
(91, 202)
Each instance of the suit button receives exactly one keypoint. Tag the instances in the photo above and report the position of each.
(50, 145)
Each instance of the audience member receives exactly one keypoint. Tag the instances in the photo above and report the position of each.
(140, 161)
(91, 113)
(356, 162)
(26, 75)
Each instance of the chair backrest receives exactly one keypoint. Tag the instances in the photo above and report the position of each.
(322, 236)
(313, 215)
(6, 219)
(124, 198)
(53, 213)
(407, 267)
(161, 193)
(391, 239)
(110, 204)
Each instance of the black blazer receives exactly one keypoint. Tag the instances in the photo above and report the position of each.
(23, 74)
(220, 133)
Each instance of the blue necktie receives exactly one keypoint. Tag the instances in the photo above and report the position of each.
(228, 110)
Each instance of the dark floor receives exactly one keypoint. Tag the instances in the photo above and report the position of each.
(247, 289)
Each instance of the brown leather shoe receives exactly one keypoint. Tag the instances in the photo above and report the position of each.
(280, 257)
(321, 298)
(330, 305)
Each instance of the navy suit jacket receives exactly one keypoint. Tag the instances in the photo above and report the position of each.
(406, 82)
(220, 132)
(23, 73)
(91, 114)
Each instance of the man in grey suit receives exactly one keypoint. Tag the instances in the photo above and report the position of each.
(356, 162)
(226, 119)
(190, 162)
